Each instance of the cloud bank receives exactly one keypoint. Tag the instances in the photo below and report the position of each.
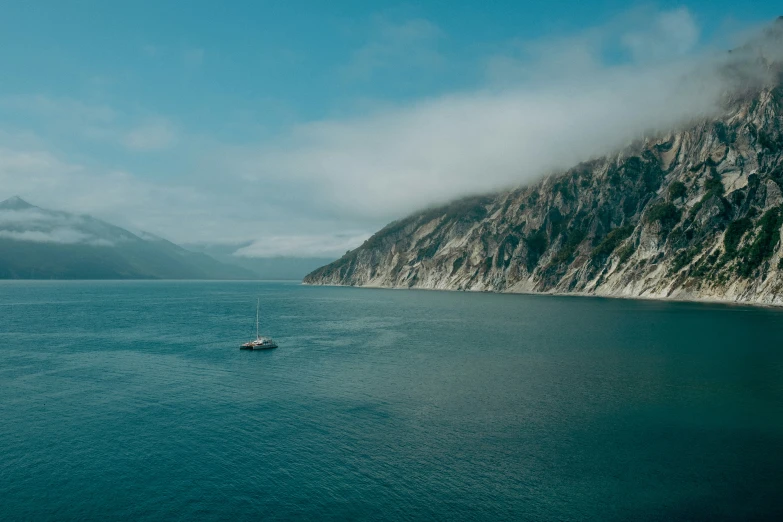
(321, 187)
(41, 226)
(570, 106)
(321, 245)
(64, 236)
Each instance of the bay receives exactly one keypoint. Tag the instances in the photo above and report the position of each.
(131, 400)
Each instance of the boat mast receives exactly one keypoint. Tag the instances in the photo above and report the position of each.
(258, 303)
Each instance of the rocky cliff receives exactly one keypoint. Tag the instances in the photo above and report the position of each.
(694, 214)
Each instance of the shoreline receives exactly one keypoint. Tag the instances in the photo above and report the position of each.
(704, 300)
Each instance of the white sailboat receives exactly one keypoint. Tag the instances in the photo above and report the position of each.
(260, 342)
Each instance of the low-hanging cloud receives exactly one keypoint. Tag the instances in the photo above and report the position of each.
(316, 245)
(392, 162)
(61, 235)
(42, 226)
(321, 187)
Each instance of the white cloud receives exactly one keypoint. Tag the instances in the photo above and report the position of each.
(393, 46)
(392, 162)
(153, 135)
(52, 182)
(645, 34)
(671, 34)
(322, 245)
(93, 122)
(68, 109)
(43, 226)
(197, 211)
(31, 216)
(324, 186)
(67, 236)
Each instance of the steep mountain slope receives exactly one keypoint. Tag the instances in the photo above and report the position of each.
(45, 244)
(695, 214)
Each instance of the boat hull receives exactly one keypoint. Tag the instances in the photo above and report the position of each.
(258, 347)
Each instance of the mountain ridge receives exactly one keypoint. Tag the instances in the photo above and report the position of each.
(15, 203)
(37, 243)
(691, 214)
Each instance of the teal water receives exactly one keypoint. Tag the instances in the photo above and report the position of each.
(131, 400)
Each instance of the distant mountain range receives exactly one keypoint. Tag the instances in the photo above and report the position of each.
(36, 243)
(275, 268)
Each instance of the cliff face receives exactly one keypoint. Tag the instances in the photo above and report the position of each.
(695, 214)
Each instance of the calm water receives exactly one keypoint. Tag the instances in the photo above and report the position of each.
(131, 400)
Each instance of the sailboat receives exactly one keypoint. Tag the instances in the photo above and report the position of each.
(260, 343)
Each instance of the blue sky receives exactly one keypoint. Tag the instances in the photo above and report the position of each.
(172, 116)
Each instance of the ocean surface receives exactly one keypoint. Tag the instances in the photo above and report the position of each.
(132, 401)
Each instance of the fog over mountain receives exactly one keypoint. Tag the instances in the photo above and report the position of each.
(37, 243)
(318, 184)
(22, 221)
(695, 212)
(559, 104)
